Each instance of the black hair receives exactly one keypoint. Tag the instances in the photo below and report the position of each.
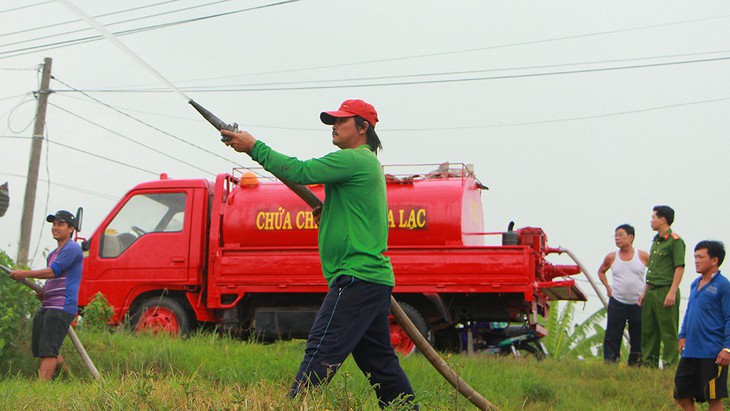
(629, 229)
(372, 137)
(715, 249)
(666, 212)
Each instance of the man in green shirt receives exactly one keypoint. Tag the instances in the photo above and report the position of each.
(353, 235)
(660, 300)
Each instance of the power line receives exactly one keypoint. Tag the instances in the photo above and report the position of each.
(12, 110)
(103, 158)
(48, 191)
(151, 126)
(131, 140)
(16, 105)
(63, 23)
(250, 125)
(413, 75)
(132, 110)
(421, 82)
(470, 50)
(560, 120)
(66, 43)
(25, 7)
(75, 188)
(525, 123)
(149, 16)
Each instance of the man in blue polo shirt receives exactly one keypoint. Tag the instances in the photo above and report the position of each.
(59, 301)
(704, 340)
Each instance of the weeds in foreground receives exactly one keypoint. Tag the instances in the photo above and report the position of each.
(209, 372)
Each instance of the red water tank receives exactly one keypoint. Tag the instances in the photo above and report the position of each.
(436, 208)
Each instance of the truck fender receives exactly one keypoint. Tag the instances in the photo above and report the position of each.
(202, 313)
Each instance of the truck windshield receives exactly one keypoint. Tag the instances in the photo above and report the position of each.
(142, 214)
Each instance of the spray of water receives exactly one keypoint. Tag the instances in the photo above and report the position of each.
(109, 36)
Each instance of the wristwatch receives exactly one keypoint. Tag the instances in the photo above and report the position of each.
(727, 350)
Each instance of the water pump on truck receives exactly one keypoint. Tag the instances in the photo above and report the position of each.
(241, 252)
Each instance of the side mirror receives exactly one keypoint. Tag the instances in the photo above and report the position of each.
(79, 218)
(86, 245)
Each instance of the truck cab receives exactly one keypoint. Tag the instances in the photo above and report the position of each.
(151, 245)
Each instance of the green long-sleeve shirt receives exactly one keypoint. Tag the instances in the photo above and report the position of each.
(353, 230)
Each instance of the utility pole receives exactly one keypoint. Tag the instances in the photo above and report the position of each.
(26, 223)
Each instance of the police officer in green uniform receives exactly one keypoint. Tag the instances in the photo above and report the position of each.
(660, 301)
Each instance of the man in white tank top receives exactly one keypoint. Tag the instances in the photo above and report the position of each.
(628, 269)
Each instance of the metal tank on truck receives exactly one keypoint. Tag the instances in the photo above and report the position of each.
(241, 252)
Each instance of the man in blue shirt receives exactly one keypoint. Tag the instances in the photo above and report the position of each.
(59, 301)
(704, 340)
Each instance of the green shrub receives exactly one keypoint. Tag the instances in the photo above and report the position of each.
(17, 305)
(98, 313)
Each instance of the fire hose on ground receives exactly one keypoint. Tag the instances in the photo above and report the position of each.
(74, 338)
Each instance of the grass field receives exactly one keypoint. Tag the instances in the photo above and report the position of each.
(209, 372)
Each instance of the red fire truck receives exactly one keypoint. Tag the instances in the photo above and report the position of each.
(241, 253)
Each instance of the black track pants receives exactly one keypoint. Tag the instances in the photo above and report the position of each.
(353, 320)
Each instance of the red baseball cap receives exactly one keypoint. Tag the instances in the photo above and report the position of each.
(351, 108)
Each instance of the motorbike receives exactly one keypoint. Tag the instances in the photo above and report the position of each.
(501, 338)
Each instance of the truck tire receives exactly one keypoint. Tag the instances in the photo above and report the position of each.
(398, 337)
(160, 315)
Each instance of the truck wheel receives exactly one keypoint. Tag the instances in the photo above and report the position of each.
(398, 337)
(160, 315)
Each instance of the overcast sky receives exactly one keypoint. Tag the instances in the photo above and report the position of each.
(579, 115)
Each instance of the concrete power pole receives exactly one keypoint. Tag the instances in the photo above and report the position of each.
(26, 223)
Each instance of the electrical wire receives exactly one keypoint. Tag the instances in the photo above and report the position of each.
(249, 125)
(149, 16)
(82, 40)
(562, 120)
(10, 97)
(151, 126)
(105, 158)
(436, 74)
(68, 187)
(48, 192)
(63, 23)
(131, 140)
(25, 7)
(484, 48)
(12, 112)
(414, 83)
(462, 80)
(23, 99)
(525, 123)
(132, 110)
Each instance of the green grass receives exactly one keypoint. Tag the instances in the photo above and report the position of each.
(208, 372)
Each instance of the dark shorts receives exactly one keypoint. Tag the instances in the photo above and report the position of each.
(49, 329)
(700, 379)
